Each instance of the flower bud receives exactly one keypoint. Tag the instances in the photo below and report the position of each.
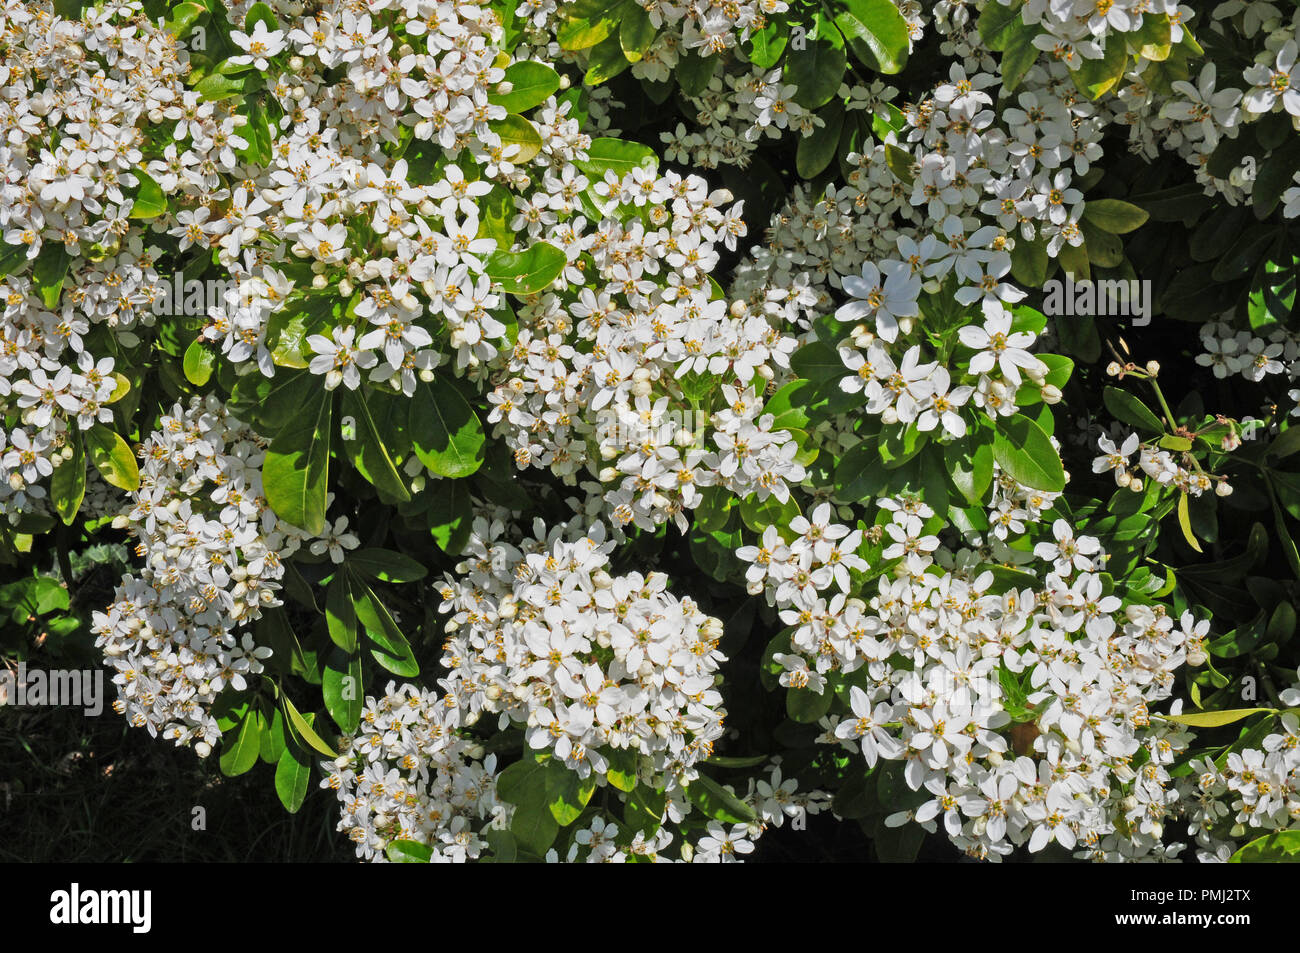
(1223, 488)
(1153, 368)
(1113, 369)
(1051, 394)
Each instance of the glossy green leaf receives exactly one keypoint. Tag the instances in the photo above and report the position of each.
(876, 32)
(295, 474)
(531, 84)
(446, 434)
(1025, 452)
(112, 457)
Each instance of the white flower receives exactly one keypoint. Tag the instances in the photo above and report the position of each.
(260, 45)
(887, 293)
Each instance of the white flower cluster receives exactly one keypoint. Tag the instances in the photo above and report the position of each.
(912, 390)
(1228, 353)
(1158, 464)
(80, 98)
(772, 800)
(328, 167)
(213, 557)
(1072, 33)
(605, 377)
(1022, 713)
(543, 636)
(970, 188)
(409, 774)
(709, 27)
(1255, 791)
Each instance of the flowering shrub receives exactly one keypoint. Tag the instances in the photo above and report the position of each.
(608, 430)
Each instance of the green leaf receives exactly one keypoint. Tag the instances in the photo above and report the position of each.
(343, 690)
(622, 770)
(446, 434)
(534, 826)
(514, 783)
(615, 155)
(393, 651)
(997, 24)
(876, 32)
(526, 785)
(1278, 847)
(531, 85)
(260, 12)
(68, 481)
(1124, 406)
(241, 747)
(386, 565)
(518, 131)
(292, 778)
(636, 33)
(295, 474)
(1275, 176)
(113, 458)
(900, 163)
(212, 88)
(717, 802)
(817, 149)
(368, 453)
(198, 362)
(149, 200)
(1216, 719)
(581, 32)
(451, 516)
(408, 852)
(605, 61)
(767, 45)
(1024, 451)
(817, 70)
(567, 794)
(12, 257)
(1185, 523)
(1029, 262)
(48, 272)
(340, 613)
(1245, 253)
(302, 730)
(972, 472)
(1153, 39)
(758, 515)
(1114, 216)
(526, 272)
(818, 362)
(274, 738)
(269, 403)
(1096, 77)
(694, 72)
(183, 17)
(1020, 54)
(289, 327)
(806, 706)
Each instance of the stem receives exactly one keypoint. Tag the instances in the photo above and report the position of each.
(1169, 414)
